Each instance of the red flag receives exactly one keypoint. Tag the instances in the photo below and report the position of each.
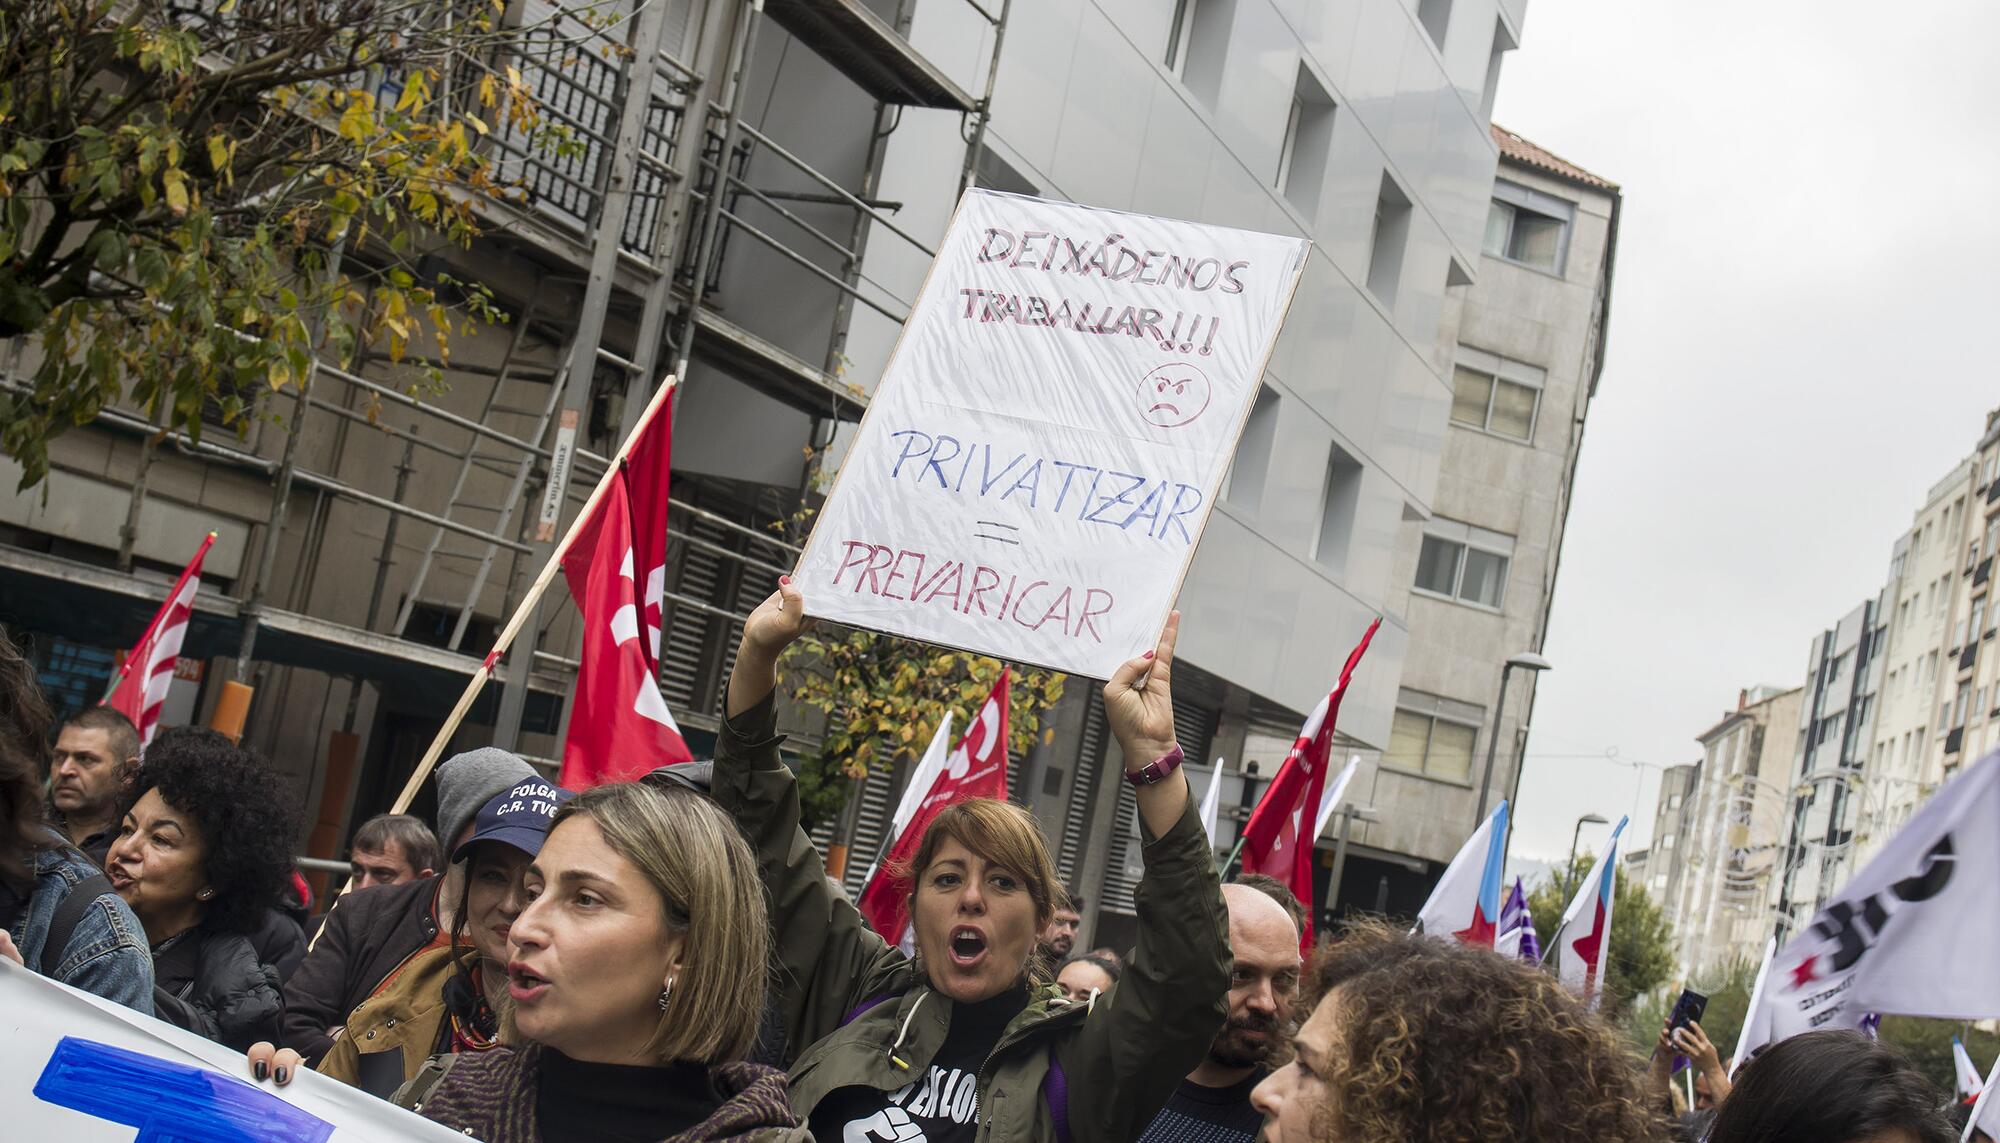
(978, 769)
(1273, 842)
(149, 667)
(616, 569)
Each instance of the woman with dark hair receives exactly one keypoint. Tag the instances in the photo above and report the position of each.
(1831, 1087)
(58, 915)
(969, 1037)
(203, 852)
(447, 1000)
(1086, 976)
(1414, 1038)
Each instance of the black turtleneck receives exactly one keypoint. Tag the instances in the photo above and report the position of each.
(942, 1100)
(578, 1102)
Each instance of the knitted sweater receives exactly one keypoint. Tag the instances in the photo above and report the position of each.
(491, 1096)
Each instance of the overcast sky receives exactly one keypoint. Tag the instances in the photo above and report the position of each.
(1799, 349)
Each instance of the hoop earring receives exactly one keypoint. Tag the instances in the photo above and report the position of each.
(666, 994)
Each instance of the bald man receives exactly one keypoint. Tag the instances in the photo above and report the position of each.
(1212, 1105)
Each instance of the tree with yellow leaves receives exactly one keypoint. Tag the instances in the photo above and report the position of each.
(196, 199)
(885, 696)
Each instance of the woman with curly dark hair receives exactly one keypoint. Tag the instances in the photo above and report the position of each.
(1417, 1040)
(203, 851)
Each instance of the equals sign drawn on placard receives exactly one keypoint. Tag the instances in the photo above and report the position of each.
(996, 531)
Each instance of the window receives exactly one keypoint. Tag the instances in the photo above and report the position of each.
(1674, 803)
(1198, 44)
(1667, 842)
(1959, 703)
(1459, 561)
(1528, 227)
(1433, 736)
(1496, 395)
(998, 174)
(1245, 489)
(1338, 501)
(1385, 244)
(1308, 138)
(1978, 618)
(1435, 16)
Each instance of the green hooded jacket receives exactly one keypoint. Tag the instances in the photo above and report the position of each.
(1120, 1057)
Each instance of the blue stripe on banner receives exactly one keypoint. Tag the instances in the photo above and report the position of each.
(168, 1102)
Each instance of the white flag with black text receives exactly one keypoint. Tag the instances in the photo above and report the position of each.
(1912, 934)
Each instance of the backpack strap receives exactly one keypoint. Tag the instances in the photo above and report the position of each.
(69, 914)
(1055, 1091)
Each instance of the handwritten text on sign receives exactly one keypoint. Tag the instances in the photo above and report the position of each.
(1047, 440)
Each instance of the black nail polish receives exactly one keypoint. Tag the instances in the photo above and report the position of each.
(261, 1069)
(281, 1074)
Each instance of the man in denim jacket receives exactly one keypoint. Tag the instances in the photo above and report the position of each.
(106, 953)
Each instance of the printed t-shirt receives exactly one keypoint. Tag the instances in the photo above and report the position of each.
(941, 1105)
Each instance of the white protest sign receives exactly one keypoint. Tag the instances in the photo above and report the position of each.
(83, 1070)
(1036, 466)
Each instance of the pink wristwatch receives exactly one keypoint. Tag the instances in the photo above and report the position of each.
(1157, 769)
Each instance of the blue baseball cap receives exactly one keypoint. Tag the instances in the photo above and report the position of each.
(519, 816)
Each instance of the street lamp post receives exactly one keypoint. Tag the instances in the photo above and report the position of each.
(1587, 819)
(1526, 660)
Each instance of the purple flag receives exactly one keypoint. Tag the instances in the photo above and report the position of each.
(1515, 934)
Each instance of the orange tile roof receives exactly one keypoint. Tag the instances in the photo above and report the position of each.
(1528, 154)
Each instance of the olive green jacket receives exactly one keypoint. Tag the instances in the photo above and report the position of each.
(1121, 1057)
(391, 1034)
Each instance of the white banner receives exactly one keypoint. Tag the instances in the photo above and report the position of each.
(1047, 441)
(1911, 934)
(83, 1070)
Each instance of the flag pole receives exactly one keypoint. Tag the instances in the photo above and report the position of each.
(527, 605)
(153, 624)
(1234, 853)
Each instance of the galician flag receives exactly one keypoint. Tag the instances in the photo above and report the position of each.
(1986, 1112)
(1969, 1084)
(977, 769)
(1275, 841)
(616, 570)
(1466, 902)
(142, 682)
(1515, 937)
(1911, 934)
(1582, 943)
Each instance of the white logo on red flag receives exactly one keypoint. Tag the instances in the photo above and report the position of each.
(977, 769)
(621, 726)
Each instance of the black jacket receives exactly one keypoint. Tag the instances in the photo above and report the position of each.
(214, 985)
(366, 937)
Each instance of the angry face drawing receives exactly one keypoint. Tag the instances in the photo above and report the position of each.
(1173, 394)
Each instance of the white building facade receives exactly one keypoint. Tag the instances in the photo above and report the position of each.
(1729, 843)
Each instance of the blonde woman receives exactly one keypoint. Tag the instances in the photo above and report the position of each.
(970, 1039)
(635, 987)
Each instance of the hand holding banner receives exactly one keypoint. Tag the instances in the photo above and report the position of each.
(83, 1070)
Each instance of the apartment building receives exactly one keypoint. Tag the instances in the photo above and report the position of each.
(1728, 845)
(1925, 578)
(1969, 688)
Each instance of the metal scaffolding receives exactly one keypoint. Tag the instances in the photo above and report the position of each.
(624, 237)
